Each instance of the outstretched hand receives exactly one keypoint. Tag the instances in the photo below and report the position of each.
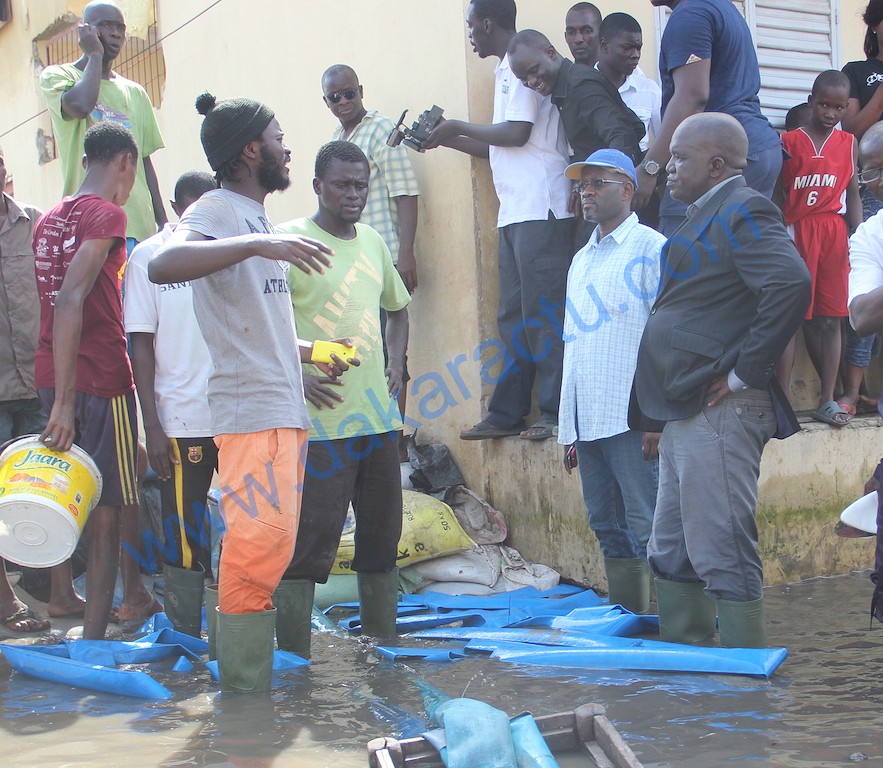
(442, 133)
(305, 253)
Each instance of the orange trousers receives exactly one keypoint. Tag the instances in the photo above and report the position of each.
(262, 475)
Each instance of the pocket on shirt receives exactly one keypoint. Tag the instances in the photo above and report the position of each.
(696, 342)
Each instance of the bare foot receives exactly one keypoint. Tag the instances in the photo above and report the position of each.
(70, 606)
(137, 610)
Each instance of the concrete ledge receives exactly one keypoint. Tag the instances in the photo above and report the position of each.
(805, 483)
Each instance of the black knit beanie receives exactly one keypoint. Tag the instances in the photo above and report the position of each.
(229, 126)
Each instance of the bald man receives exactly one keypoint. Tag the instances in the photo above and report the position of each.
(732, 292)
(88, 90)
(592, 112)
(866, 302)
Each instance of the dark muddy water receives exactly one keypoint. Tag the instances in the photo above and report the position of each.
(823, 708)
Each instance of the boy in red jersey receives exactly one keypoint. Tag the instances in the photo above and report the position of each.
(82, 370)
(817, 188)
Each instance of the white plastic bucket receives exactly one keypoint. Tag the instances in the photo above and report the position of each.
(45, 499)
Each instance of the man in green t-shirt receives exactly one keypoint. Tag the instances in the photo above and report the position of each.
(353, 448)
(87, 91)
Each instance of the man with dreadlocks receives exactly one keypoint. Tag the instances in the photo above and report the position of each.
(239, 266)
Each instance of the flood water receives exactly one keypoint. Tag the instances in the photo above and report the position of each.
(823, 708)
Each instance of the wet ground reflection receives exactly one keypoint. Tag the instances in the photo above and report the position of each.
(824, 708)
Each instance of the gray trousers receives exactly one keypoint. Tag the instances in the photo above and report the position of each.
(704, 528)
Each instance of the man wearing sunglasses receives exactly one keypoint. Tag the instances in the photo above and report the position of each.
(866, 302)
(611, 287)
(392, 196)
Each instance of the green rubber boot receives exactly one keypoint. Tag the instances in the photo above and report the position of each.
(742, 625)
(183, 599)
(378, 601)
(211, 620)
(686, 613)
(628, 582)
(245, 650)
(294, 608)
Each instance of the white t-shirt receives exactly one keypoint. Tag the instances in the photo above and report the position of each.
(866, 257)
(183, 363)
(245, 315)
(529, 180)
(643, 96)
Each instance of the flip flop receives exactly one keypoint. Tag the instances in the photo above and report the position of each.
(33, 623)
(487, 430)
(542, 430)
(828, 413)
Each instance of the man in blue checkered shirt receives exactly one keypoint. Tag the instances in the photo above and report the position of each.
(611, 286)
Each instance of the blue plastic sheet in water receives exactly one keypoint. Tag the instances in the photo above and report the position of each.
(474, 618)
(393, 653)
(558, 601)
(645, 655)
(58, 669)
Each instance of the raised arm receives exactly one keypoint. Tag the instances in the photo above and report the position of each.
(80, 99)
(475, 138)
(189, 255)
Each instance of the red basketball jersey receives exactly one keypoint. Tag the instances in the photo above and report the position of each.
(816, 183)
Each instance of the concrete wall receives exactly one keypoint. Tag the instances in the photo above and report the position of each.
(805, 483)
(414, 55)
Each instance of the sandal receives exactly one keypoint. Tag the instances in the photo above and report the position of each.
(26, 620)
(831, 413)
(487, 430)
(542, 430)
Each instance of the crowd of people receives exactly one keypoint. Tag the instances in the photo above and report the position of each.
(659, 249)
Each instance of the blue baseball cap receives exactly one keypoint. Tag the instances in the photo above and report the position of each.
(604, 158)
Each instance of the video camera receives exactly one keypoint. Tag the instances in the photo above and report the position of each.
(415, 136)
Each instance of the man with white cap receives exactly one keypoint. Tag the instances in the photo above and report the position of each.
(611, 287)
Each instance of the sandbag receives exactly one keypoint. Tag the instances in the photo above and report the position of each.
(479, 565)
(483, 523)
(429, 529)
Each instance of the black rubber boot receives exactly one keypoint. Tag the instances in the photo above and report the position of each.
(245, 650)
(628, 583)
(378, 601)
(686, 613)
(211, 620)
(183, 599)
(742, 624)
(294, 608)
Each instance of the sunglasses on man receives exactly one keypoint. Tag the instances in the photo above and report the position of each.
(349, 94)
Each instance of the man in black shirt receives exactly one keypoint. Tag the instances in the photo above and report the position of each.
(592, 111)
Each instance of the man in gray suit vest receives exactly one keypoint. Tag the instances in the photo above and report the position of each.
(733, 288)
